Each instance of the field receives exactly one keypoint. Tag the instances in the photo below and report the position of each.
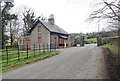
(91, 40)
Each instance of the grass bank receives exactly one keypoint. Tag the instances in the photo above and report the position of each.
(112, 57)
(113, 48)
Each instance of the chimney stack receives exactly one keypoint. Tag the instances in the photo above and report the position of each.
(51, 19)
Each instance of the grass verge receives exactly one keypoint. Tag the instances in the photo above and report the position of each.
(113, 48)
(112, 57)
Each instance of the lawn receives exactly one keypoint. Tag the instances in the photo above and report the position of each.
(13, 59)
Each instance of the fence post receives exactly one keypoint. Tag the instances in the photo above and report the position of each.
(18, 52)
(43, 48)
(47, 47)
(39, 49)
(7, 54)
(55, 45)
(50, 46)
(27, 51)
(34, 50)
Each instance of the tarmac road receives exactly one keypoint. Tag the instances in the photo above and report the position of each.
(72, 63)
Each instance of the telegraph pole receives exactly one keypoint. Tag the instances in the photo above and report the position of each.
(98, 37)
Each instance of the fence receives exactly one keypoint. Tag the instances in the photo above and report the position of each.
(12, 54)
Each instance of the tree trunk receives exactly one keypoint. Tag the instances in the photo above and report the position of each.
(11, 35)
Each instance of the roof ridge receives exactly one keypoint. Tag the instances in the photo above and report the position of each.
(50, 27)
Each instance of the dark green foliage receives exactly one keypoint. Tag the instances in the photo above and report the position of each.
(29, 20)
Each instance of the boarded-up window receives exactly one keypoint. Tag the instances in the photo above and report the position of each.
(39, 40)
(28, 42)
(55, 40)
(23, 42)
(61, 41)
(39, 29)
(20, 42)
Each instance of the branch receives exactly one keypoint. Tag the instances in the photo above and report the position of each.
(115, 6)
(109, 5)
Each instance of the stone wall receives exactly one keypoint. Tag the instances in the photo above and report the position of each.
(111, 40)
(115, 41)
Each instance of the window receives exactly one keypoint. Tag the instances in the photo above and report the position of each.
(23, 42)
(39, 40)
(55, 40)
(39, 28)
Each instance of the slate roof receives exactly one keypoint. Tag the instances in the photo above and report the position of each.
(52, 28)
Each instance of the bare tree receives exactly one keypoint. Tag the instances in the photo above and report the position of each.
(110, 11)
(14, 30)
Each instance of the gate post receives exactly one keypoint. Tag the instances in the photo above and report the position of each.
(99, 41)
(82, 41)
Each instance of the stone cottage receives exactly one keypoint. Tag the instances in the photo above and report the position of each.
(45, 33)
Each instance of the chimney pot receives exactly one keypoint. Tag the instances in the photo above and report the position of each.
(51, 19)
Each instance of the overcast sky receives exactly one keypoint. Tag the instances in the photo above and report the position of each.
(69, 15)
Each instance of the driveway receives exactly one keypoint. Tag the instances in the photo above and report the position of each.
(72, 63)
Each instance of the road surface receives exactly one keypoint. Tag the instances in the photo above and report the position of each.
(72, 63)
